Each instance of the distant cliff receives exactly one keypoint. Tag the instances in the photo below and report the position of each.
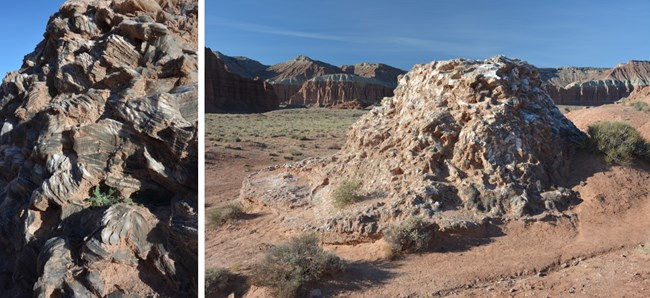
(226, 90)
(595, 86)
(305, 81)
(309, 82)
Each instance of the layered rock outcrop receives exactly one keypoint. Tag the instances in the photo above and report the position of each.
(596, 86)
(339, 89)
(459, 142)
(227, 91)
(309, 82)
(98, 151)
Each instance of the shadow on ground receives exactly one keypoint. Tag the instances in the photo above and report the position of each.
(359, 276)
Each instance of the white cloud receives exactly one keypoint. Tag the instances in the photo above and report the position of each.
(275, 31)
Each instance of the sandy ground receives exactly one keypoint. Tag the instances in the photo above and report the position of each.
(598, 249)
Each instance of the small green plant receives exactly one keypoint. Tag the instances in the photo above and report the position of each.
(104, 199)
(411, 235)
(218, 280)
(618, 142)
(225, 213)
(641, 106)
(346, 193)
(288, 268)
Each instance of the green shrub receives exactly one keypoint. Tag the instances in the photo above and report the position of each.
(105, 199)
(641, 106)
(618, 142)
(218, 280)
(225, 213)
(411, 235)
(346, 193)
(288, 268)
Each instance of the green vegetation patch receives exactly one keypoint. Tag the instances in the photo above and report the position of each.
(618, 142)
(288, 268)
(641, 106)
(411, 235)
(222, 214)
(218, 280)
(346, 193)
(105, 199)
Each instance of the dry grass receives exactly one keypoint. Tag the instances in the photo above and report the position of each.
(218, 280)
(222, 214)
(411, 235)
(299, 125)
(641, 106)
(618, 142)
(288, 268)
(346, 193)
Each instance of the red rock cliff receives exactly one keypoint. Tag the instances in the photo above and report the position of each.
(595, 86)
(230, 92)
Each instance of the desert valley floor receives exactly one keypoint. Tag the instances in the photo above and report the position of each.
(600, 246)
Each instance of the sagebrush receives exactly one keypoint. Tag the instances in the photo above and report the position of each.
(218, 280)
(227, 212)
(346, 193)
(641, 106)
(411, 235)
(618, 142)
(288, 268)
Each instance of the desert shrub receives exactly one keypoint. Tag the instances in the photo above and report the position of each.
(288, 268)
(296, 152)
(618, 142)
(411, 235)
(641, 106)
(225, 213)
(346, 193)
(105, 199)
(218, 280)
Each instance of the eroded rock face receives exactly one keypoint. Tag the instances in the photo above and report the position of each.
(227, 91)
(108, 99)
(460, 141)
(595, 86)
(340, 89)
(308, 82)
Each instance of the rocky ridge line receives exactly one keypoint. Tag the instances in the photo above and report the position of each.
(596, 86)
(309, 82)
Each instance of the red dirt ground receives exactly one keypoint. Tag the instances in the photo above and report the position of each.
(597, 250)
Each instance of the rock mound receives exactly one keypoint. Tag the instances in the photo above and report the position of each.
(459, 142)
(105, 107)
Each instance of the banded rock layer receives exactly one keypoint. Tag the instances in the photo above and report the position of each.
(595, 86)
(460, 142)
(304, 81)
(106, 103)
(228, 91)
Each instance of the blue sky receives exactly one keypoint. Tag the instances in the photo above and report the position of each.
(23, 25)
(401, 33)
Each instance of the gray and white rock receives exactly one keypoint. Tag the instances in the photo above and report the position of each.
(108, 99)
(460, 141)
